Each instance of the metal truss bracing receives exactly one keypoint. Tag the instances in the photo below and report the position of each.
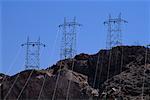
(114, 35)
(32, 60)
(68, 42)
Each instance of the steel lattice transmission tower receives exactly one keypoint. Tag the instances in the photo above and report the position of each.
(114, 35)
(68, 43)
(32, 59)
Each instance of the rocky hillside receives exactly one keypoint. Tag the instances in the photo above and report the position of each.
(109, 74)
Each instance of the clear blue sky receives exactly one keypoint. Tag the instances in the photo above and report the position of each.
(41, 18)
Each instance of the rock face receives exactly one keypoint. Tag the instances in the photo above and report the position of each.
(130, 83)
(79, 88)
(116, 73)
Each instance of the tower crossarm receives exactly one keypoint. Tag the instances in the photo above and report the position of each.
(33, 44)
(32, 59)
(70, 24)
(116, 20)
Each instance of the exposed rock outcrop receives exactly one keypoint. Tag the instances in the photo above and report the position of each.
(115, 73)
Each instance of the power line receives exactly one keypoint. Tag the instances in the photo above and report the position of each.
(95, 75)
(101, 67)
(109, 63)
(25, 84)
(68, 89)
(32, 61)
(12, 86)
(144, 74)
(68, 47)
(114, 37)
(12, 63)
(57, 79)
(51, 56)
